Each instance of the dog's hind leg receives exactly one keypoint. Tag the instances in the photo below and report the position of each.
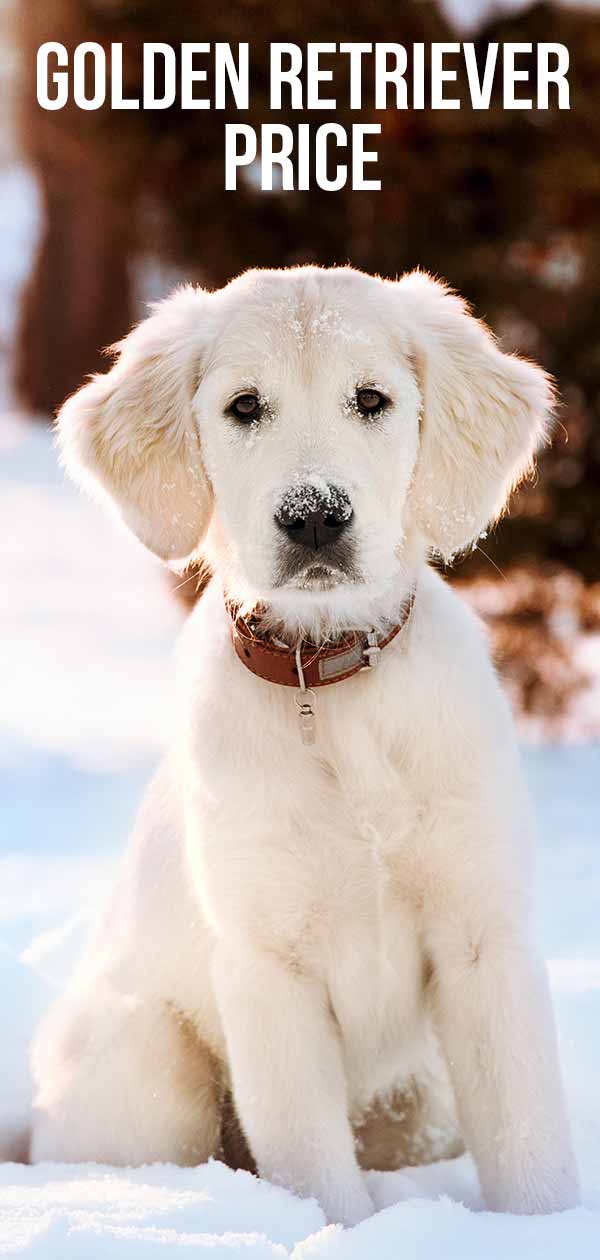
(124, 1082)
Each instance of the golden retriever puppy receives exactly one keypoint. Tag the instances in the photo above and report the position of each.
(325, 906)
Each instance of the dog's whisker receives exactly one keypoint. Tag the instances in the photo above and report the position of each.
(197, 575)
(492, 562)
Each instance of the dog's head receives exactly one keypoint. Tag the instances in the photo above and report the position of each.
(319, 425)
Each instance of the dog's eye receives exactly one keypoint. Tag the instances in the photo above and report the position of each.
(245, 407)
(370, 401)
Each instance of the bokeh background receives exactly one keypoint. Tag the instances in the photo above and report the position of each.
(505, 205)
(101, 213)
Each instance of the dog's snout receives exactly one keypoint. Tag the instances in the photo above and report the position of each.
(314, 516)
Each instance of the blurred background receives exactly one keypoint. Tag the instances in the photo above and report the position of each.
(109, 209)
(101, 213)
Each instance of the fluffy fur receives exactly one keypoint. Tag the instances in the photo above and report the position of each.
(318, 932)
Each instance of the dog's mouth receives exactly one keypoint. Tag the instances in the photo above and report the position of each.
(319, 573)
(319, 577)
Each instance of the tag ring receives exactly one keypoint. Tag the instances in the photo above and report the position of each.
(305, 700)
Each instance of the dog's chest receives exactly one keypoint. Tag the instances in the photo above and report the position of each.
(326, 877)
(372, 954)
(373, 968)
(315, 856)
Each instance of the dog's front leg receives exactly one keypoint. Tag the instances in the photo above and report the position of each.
(289, 1082)
(493, 1011)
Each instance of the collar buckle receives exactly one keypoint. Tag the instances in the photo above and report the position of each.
(372, 652)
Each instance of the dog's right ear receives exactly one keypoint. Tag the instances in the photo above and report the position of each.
(132, 430)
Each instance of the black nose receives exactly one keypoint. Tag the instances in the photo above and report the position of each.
(313, 516)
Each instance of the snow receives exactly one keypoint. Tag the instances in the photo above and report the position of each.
(104, 596)
(87, 635)
(311, 493)
(19, 228)
(58, 1212)
(55, 1213)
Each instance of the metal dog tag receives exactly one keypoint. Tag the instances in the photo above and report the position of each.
(306, 701)
(306, 715)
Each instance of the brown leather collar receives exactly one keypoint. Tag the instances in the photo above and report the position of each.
(320, 666)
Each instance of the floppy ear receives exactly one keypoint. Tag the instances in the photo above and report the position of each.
(485, 413)
(132, 431)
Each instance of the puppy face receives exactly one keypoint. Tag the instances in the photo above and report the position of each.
(320, 426)
(309, 421)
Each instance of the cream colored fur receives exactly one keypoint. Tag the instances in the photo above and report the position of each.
(317, 928)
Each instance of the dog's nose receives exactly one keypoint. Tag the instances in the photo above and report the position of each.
(313, 516)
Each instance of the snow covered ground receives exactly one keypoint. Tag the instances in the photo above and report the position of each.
(87, 629)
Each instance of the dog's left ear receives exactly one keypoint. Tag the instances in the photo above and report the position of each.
(132, 433)
(485, 414)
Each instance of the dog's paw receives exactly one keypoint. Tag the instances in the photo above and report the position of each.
(348, 1209)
